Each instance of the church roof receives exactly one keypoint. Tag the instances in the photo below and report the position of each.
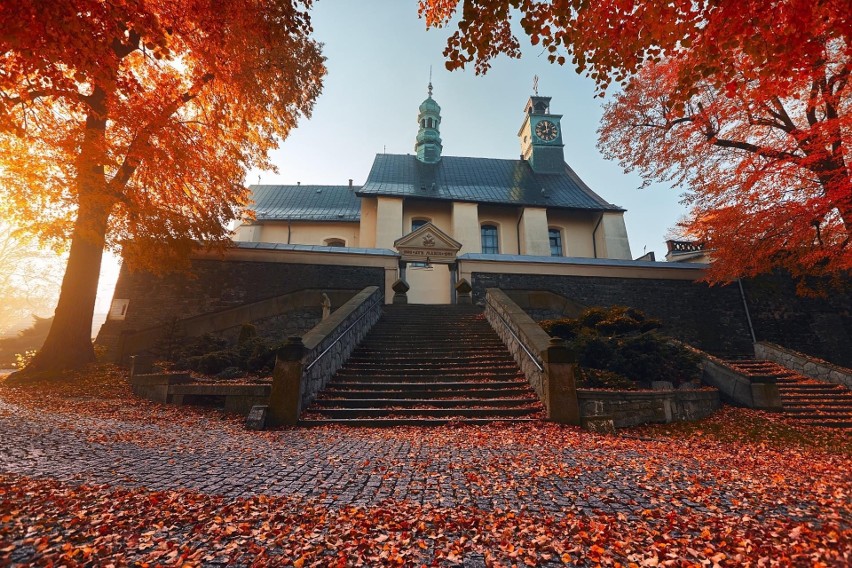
(305, 202)
(481, 180)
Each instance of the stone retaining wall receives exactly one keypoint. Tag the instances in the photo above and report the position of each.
(629, 408)
(329, 344)
(503, 314)
(801, 363)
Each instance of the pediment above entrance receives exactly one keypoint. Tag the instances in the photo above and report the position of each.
(429, 242)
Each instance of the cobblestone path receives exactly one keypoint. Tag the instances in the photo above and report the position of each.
(362, 467)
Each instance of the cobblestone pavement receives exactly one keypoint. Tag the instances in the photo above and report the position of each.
(362, 467)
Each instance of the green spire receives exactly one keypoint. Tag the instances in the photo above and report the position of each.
(428, 142)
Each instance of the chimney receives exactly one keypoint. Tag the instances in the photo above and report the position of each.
(350, 183)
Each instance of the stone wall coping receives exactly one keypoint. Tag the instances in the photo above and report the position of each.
(535, 338)
(223, 389)
(160, 379)
(600, 393)
(805, 357)
(583, 261)
(338, 317)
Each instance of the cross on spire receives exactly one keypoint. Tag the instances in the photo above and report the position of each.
(430, 80)
(535, 83)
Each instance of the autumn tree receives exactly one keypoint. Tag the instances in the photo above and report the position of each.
(131, 124)
(745, 103)
(769, 179)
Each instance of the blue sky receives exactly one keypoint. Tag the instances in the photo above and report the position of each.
(379, 53)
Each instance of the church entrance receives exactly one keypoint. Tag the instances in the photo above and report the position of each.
(428, 265)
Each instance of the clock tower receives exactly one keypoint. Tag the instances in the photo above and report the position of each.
(541, 137)
(428, 142)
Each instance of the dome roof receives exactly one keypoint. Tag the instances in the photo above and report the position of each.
(429, 105)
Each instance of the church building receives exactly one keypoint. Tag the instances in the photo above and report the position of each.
(441, 213)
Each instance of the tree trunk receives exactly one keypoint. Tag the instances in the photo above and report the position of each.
(69, 343)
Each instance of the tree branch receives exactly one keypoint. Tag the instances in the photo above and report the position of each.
(140, 141)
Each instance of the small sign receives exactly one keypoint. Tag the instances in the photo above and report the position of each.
(118, 309)
(599, 424)
(256, 419)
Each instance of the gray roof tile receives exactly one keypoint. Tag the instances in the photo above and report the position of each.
(305, 202)
(482, 180)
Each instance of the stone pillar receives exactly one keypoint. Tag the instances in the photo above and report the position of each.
(285, 399)
(560, 387)
(400, 292)
(463, 290)
(454, 280)
(533, 229)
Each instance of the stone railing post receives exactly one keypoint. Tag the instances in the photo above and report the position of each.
(560, 365)
(286, 395)
(400, 291)
(463, 290)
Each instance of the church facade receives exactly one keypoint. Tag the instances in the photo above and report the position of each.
(474, 209)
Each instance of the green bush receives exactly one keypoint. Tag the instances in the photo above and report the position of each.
(619, 344)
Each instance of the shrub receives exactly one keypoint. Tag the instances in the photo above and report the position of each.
(621, 344)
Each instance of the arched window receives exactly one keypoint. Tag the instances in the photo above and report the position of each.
(490, 242)
(555, 236)
(335, 243)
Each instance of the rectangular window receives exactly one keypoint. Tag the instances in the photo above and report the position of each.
(489, 240)
(555, 242)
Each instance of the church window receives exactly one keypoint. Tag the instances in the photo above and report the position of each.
(489, 240)
(335, 243)
(555, 236)
(417, 223)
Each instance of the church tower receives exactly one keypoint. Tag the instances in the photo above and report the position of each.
(428, 145)
(541, 137)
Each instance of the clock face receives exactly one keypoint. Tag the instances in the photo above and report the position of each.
(546, 130)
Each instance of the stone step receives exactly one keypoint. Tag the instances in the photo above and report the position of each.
(826, 423)
(426, 370)
(446, 359)
(426, 379)
(392, 422)
(820, 409)
(808, 387)
(432, 385)
(453, 363)
(817, 397)
(424, 412)
(323, 404)
(410, 391)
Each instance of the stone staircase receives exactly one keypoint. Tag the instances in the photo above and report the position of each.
(424, 365)
(813, 402)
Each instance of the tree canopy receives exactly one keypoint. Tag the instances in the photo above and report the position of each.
(745, 103)
(131, 124)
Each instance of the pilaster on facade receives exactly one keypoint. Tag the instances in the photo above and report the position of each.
(389, 221)
(533, 232)
(466, 226)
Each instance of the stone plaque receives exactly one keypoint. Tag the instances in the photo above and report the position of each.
(256, 419)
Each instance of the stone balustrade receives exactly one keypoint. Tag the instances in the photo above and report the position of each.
(804, 364)
(546, 362)
(306, 364)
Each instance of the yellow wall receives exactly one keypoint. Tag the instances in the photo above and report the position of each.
(466, 226)
(368, 222)
(389, 228)
(428, 286)
(533, 231)
(310, 233)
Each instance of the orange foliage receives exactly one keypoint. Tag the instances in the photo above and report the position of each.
(746, 103)
(131, 124)
(769, 179)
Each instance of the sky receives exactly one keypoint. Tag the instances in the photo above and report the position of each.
(378, 57)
